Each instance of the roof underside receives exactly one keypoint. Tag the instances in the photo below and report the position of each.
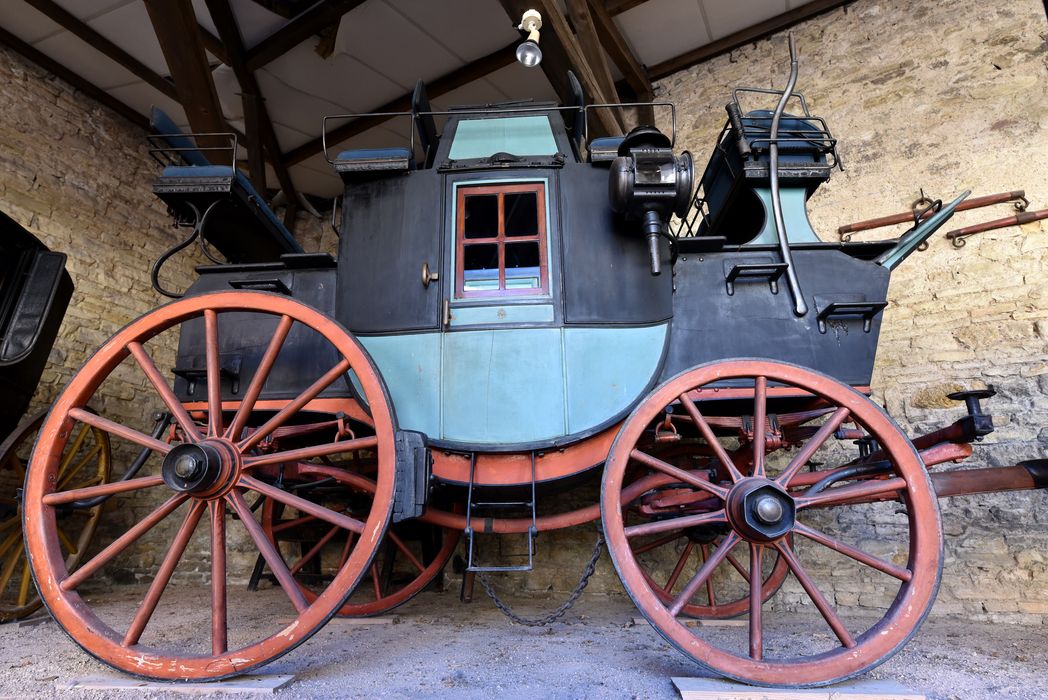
(375, 52)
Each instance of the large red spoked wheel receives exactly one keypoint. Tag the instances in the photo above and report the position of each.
(768, 507)
(217, 471)
(411, 556)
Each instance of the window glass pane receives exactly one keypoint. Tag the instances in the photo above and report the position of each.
(521, 136)
(482, 216)
(522, 214)
(480, 264)
(522, 265)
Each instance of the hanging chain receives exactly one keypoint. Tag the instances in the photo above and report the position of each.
(557, 613)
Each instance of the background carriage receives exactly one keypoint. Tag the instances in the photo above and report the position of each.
(510, 312)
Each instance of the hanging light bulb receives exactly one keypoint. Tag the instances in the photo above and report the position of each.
(528, 53)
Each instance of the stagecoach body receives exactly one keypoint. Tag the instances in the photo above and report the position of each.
(509, 309)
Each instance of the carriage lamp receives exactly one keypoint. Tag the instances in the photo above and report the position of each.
(647, 182)
(528, 53)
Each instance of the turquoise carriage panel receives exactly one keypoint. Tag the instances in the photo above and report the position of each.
(410, 365)
(608, 369)
(503, 386)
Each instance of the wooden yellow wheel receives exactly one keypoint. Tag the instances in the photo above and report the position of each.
(86, 463)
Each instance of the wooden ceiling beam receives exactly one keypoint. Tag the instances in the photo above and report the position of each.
(259, 127)
(634, 72)
(52, 66)
(617, 7)
(744, 36)
(316, 18)
(72, 24)
(214, 45)
(590, 44)
(555, 20)
(175, 25)
(560, 53)
(452, 81)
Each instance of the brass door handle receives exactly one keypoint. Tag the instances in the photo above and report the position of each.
(428, 276)
(445, 314)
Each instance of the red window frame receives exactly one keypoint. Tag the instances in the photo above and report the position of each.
(461, 242)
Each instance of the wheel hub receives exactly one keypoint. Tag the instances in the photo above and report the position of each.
(203, 469)
(760, 510)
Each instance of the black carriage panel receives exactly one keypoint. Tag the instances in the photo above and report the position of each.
(390, 228)
(607, 273)
(732, 303)
(35, 290)
(308, 278)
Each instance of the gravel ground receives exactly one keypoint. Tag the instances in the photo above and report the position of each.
(440, 648)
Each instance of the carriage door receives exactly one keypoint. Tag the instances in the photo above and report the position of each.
(502, 354)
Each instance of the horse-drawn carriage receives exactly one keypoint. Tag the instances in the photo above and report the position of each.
(514, 308)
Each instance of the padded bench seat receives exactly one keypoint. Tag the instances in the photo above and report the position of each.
(366, 160)
(244, 217)
(604, 149)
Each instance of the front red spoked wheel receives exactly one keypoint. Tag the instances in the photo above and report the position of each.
(762, 504)
(411, 556)
(217, 470)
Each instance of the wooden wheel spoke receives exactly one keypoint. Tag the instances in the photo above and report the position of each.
(655, 544)
(677, 473)
(163, 574)
(816, 596)
(219, 624)
(10, 541)
(330, 448)
(295, 405)
(9, 568)
(711, 439)
(399, 544)
(760, 409)
(214, 373)
(303, 506)
(66, 477)
(268, 551)
(756, 602)
(703, 573)
(23, 586)
(375, 581)
(671, 524)
(61, 497)
(123, 542)
(167, 395)
(854, 493)
(709, 581)
(66, 542)
(315, 549)
(292, 523)
(346, 550)
(738, 567)
(122, 431)
(71, 451)
(812, 446)
(856, 554)
(258, 381)
(675, 574)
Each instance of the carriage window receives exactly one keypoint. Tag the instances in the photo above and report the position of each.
(501, 241)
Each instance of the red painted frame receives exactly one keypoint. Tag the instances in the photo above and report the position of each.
(500, 239)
